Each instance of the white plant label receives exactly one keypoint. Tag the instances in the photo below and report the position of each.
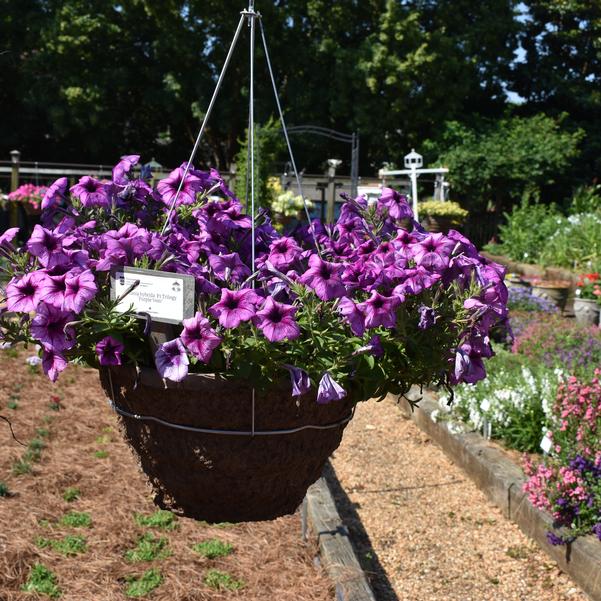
(546, 444)
(166, 297)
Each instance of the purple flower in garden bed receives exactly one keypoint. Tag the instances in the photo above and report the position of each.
(199, 337)
(276, 321)
(109, 351)
(172, 361)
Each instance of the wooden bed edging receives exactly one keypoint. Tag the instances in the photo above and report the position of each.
(336, 551)
(501, 480)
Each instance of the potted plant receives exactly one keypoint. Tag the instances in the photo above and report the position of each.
(553, 290)
(234, 409)
(440, 216)
(29, 196)
(587, 299)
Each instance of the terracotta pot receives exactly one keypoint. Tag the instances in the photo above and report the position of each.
(218, 477)
(552, 292)
(586, 311)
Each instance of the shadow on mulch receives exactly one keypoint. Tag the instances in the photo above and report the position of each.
(366, 555)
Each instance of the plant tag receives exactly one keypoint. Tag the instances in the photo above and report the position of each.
(546, 444)
(166, 297)
(485, 405)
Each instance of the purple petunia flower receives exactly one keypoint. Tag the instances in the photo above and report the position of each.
(167, 188)
(79, 289)
(109, 351)
(468, 366)
(353, 315)
(380, 310)
(55, 193)
(276, 322)
(49, 328)
(427, 317)
(123, 167)
(324, 278)
(329, 390)
(229, 266)
(283, 252)
(7, 238)
(53, 363)
(91, 193)
(301, 383)
(46, 245)
(23, 296)
(199, 337)
(555, 540)
(396, 203)
(54, 289)
(235, 306)
(434, 252)
(172, 361)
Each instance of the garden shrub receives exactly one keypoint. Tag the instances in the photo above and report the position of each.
(515, 399)
(567, 483)
(558, 342)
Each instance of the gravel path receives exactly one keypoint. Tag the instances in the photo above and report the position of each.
(426, 532)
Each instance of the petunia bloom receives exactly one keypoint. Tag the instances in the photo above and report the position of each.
(427, 317)
(49, 327)
(123, 167)
(229, 266)
(168, 187)
(353, 315)
(301, 383)
(80, 288)
(324, 278)
(199, 337)
(380, 310)
(235, 306)
(53, 363)
(283, 252)
(91, 192)
(329, 390)
(109, 351)
(276, 321)
(172, 361)
(23, 295)
(55, 193)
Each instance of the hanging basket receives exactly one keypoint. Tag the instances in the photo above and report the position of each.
(228, 475)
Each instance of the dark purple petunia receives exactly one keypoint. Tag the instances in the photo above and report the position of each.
(229, 267)
(353, 315)
(329, 390)
(276, 321)
(324, 278)
(380, 310)
(91, 193)
(469, 367)
(172, 361)
(301, 383)
(167, 188)
(199, 337)
(53, 363)
(49, 328)
(23, 295)
(427, 317)
(123, 167)
(235, 306)
(109, 351)
(55, 193)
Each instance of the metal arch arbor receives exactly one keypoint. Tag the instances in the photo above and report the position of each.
(352, 139)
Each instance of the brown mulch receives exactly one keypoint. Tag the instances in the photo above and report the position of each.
(269, 557)
(423, 530)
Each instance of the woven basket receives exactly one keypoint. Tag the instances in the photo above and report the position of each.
(218, 477)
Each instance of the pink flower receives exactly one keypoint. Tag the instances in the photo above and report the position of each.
(199, 337)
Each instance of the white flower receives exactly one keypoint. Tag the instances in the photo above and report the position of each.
(33, 360)
(5, 345)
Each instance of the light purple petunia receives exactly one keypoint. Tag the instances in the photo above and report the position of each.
(54, 290)
(167, 188)
(283, 252)
(229, 267)
(380, 310)
(276, 321)
(91, 193)
(329, 390)
(396, 203)
(301, 383)
(55, 193)
(23, 295)
(49, 327)
(123, 167)
(47, 246)
(199, 337)
(353, 315)
(7, 238)
(109, 351)
(53, 363)
(172, 361)
(235, 306)
(434, 252)
(80, 288)
(324, 278)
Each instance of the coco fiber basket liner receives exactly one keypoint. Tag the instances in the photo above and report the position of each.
(219, 477)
